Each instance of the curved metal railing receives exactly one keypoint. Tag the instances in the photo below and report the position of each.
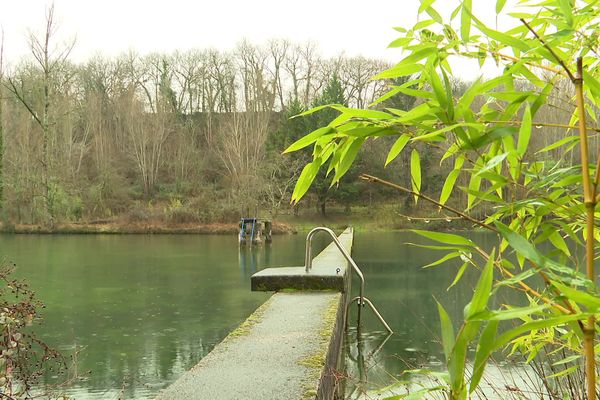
(361, 299)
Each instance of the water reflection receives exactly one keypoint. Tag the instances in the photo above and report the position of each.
(251, 257)
(406, 295)
(141, 309)
(145, 308)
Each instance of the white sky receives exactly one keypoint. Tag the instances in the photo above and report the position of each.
(111, 27)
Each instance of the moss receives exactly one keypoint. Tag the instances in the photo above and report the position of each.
(293, 290)
(316, 360)
(252, 320)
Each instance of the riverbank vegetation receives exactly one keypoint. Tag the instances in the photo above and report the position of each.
(189, 137)
(194, 138)
(533, 189)
(24, 358)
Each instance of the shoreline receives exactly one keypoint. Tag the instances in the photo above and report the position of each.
(123, 228)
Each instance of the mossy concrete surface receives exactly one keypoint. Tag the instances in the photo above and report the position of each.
(289, 349)
(328, 271)
(279, 356)
(276, 279)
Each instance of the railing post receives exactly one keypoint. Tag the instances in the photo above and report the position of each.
(361, 297)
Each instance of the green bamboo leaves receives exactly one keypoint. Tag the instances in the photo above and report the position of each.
(500, 169)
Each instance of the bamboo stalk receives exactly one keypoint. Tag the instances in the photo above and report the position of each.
(590, 204)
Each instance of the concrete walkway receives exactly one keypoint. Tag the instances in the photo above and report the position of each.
(269, 360)
(286, 350)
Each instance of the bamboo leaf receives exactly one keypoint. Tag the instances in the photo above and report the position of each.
(415, 172)
(566, 7)
(559, 243)
(447, 331)
(438, 87)
(592, 303)
(449, 185)
(465, 20)
(438, 132)
(308, 139)
(434, 14)
(551, 322)
(347, 158)
(483, 289)
(307, 176)
(559, 143)
(485, 347)
(503, 38)
(511, 313)
(567, 360)
(425, 4)
(458, 358)
(474, 184)
(494, 161)
(397, 148)
(361, 113)
(500, 5)
(492, 135)
(446, 238)
(399, 71)
(447, 257)
(459, 274)
(310, 111)
(524, 132)
(520, 244)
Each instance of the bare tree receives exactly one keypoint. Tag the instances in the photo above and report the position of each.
(278, 52)
(47, 59)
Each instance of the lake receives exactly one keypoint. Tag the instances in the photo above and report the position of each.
(142, 309)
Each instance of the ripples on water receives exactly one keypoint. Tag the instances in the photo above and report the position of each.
(142, 309)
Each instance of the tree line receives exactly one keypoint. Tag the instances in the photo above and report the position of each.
(193, 136)
(109, 136)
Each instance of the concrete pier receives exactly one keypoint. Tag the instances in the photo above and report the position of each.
(290, 348)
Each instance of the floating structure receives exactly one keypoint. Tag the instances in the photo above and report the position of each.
(254, 231)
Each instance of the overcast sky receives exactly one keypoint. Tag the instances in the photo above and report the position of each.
(111, 27)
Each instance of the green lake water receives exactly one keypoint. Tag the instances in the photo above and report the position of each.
(143, 309)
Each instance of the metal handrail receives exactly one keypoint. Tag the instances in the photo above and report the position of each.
(308, 255)
(364, 299)
(361, 294)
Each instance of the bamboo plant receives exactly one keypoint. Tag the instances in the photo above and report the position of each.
(532, 196)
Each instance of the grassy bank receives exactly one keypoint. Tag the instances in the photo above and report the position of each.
(386, 217)
(123, 227)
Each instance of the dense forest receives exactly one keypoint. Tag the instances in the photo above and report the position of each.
(196, 136)
(188, 137)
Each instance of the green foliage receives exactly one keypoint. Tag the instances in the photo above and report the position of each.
(527, 197)
(327, 108)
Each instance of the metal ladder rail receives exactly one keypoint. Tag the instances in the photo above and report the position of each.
(361, 299)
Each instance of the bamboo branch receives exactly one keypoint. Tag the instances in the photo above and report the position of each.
(374, 179)
(544, 124)
(531, 64)
(548, 283)
(523, 285)
(543, 42)
(526, 288)
(515, 59)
